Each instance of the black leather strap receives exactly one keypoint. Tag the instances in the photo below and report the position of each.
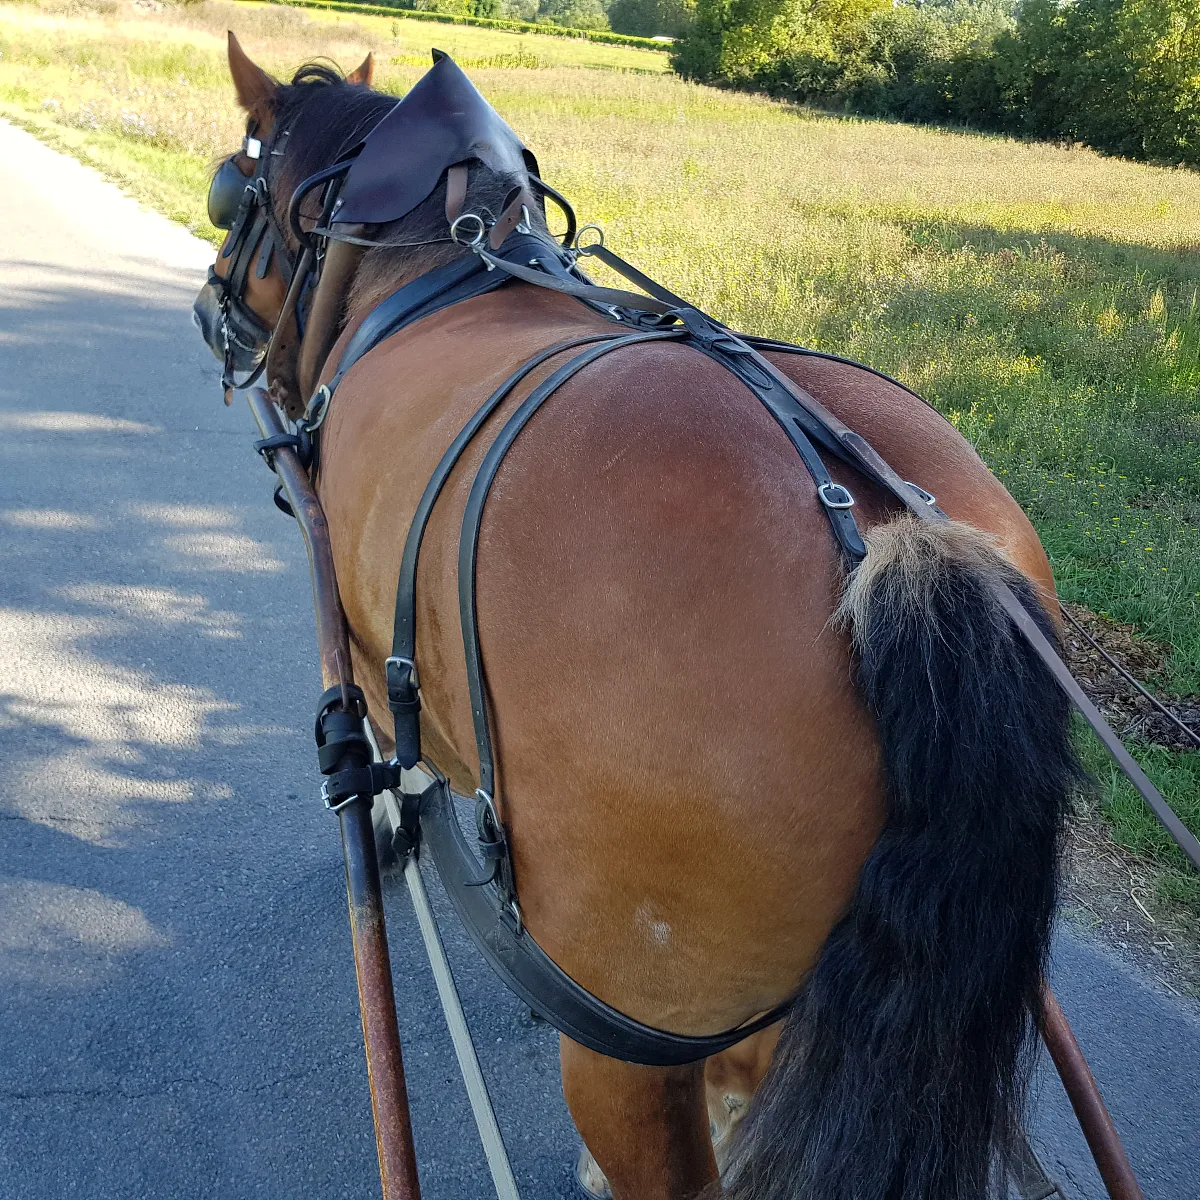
(468, 545)
(765, 343)
(462, 279)
(731, 352)
(401, 672)
(532, 975)
(401, 307)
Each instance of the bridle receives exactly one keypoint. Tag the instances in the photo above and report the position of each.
(242, 205)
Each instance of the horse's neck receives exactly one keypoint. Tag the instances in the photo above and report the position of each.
(375, 281)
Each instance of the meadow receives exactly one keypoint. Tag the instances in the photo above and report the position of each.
(1046, 299)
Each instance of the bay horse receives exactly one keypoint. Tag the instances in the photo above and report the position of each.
(731, 771)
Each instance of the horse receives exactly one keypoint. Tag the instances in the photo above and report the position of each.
(733, 772)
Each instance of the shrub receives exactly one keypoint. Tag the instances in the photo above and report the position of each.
(1120, 75)
(652, 18)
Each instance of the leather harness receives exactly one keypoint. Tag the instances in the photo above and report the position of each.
(499, 253)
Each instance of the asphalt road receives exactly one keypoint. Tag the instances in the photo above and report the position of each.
(177, 1007)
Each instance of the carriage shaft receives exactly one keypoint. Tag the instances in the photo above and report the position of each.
(1090, 1109)
(368, 932)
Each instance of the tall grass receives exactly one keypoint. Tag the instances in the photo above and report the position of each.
(1044, 298)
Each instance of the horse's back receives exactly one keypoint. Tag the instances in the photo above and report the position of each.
(690, 780)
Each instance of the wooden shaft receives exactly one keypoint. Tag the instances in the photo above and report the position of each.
(368, 933)
(1094, 1119)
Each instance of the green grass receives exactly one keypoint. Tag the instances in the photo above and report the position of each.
(1135, 828)
(1043, 297)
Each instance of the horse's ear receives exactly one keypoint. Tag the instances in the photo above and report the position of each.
(365, 73)
(255, 88)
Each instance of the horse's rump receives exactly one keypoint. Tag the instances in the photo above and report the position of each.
(690, 779)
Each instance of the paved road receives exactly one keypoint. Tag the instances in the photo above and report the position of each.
(177, 1006)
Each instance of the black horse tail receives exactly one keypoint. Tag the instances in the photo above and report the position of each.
(902, 1071)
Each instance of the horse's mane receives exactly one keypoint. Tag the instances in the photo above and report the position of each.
(325, 116)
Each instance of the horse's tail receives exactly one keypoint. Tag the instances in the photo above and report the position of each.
(902, 1070)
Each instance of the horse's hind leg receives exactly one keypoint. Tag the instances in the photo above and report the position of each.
(731, 1079)
(646, 1127)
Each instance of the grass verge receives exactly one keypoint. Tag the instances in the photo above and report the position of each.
(1044, 298)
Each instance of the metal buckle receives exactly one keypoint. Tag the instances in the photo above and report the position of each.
(928, 497)
(827, 492)
(491, 833)
(403, 662)
(487, 822)
(317, 409)
(251, 147)
(337, 808)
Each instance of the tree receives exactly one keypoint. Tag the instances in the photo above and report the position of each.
(1120, 75)
(575, 14)
(652, 18)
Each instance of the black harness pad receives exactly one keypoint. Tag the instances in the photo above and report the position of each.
(442, 121)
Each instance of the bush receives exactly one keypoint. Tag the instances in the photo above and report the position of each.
(920, 64)
(652, 18)
(1120, 75)
(573, 14)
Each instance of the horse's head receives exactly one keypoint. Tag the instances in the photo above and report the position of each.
(337, 187)
(240, 305)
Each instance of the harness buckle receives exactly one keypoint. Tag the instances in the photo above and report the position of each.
(493, 846)
(316, 410)
(835, 495)
(928, 497)
(401, 683)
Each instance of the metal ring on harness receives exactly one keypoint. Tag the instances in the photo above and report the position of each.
(317, 410)
(928, 497)
(590, 248)
(477, 240)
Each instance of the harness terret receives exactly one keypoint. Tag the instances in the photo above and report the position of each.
(499, 251)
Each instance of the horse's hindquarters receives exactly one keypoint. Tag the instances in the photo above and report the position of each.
(689, 778)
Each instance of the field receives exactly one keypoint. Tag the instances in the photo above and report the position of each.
(1045, 298)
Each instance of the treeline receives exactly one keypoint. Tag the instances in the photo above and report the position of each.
(1120, 75)
(640, 18)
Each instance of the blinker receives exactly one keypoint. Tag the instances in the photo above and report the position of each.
(225, 194)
